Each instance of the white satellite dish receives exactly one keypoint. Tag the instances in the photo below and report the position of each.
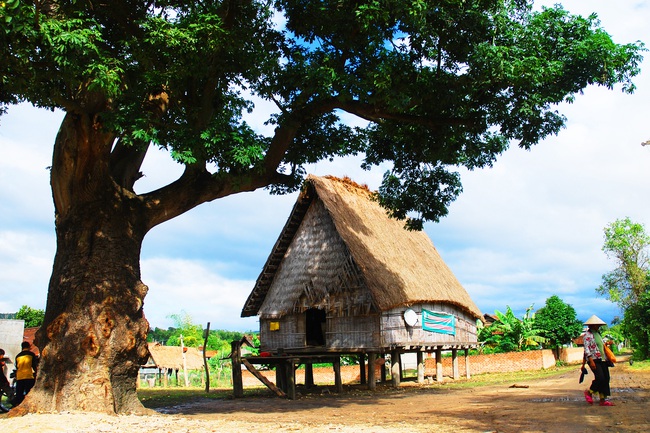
(410, 317)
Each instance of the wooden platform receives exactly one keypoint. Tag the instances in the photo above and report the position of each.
(286, 364)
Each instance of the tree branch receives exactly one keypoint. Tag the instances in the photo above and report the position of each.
(194, 188)
(125, 164)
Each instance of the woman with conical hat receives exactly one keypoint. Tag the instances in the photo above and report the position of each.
(595, 357)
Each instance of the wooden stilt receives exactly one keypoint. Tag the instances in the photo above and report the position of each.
(438, 364)
(362, 368)
(420, 361)
(454, 363)
(467, 369)
(372, 380)
(290, 370)
(309, 375)
(395, 367)
(280, 376)
(237, 383)
(337, 374)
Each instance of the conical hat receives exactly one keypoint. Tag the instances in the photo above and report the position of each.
(595, 320)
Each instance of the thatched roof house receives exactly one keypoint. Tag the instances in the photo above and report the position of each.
(171, 357)
(344, 276)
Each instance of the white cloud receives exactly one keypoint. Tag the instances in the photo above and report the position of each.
(25, 267)
(177, 285)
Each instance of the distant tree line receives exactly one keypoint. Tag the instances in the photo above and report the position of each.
(33, 317)
(192, 334)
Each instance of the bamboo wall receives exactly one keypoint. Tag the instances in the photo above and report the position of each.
(353, 333)
(341, 334)
(289, 335)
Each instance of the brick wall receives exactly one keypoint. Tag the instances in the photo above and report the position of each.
(495, 363)
(572, 355)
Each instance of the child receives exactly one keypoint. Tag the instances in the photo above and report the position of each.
(5, 387)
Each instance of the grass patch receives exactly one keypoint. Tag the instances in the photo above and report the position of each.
(640, 365)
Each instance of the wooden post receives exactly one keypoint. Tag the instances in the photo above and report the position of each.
(187, 381)
(280, 376)
(454, 363)
(383, 370)
(206, 334)
(467, 370)
(420, 361)
(290, 378)
(438, 364)
(372, 377)
(395, 367)
(309, 374)
(362, 369)
(337, 374)
(235, 358)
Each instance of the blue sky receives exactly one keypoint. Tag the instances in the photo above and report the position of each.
(526, 229)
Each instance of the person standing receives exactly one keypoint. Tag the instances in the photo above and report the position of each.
(595, 357)
(26, 368)
(5, 387)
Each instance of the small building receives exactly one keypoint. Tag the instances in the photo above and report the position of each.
(11, 335)
(167, 360)
(345, 278)
(29, 335)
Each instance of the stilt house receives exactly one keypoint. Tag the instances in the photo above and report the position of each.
(343, 277)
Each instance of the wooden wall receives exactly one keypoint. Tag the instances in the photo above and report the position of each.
(371, 332)
(341, 334)
(394, 331)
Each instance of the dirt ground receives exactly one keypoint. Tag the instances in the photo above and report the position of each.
(554, 404)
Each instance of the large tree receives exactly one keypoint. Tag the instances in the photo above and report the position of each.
(558, 322)
(628, 284)
(439, 83)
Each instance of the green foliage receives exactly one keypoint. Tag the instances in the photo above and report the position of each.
(158, 335)
(557, 322)
(33, 318)
(440, 85)
(192, 333)
(628, 284)
(617, 334)
(627, 243)
(510, 334)
(636, 326)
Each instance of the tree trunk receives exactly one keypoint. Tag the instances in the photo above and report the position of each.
(93, 339)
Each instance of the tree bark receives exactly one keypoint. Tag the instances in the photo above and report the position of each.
(93, 339)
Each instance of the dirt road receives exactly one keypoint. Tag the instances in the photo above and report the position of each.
(554, 404)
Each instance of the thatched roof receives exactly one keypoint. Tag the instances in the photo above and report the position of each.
(171, 357)
(399, 267)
